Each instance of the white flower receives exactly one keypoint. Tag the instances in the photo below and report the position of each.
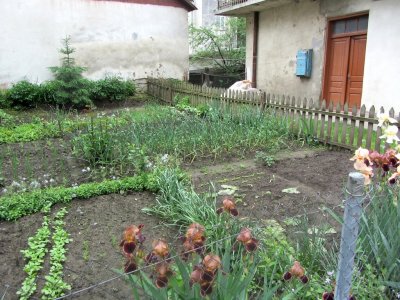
(51, 180)
(164, 158)
(84, 171)
(390, 134)
(4, 190)
(385, 119)
(330, 273)
(16, 184)
(88, 169)
(35, 184)
(327, 280)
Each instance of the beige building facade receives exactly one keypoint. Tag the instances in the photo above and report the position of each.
(354, 46)
(133, 39)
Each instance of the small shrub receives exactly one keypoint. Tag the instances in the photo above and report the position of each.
(48, 92)
(71, 88)
(23, 94)
(112, 88)
(4, 103)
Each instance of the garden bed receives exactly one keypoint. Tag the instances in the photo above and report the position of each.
(96, 224)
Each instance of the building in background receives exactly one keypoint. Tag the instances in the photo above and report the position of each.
(130, 38)
(354, 46)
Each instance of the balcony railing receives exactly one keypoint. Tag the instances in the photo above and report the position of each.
(224, 4)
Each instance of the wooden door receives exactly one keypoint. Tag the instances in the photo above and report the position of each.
(337, 76)
(356, 70)
(344, 69)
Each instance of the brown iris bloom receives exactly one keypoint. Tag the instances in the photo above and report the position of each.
(194, 240)
(296, 271)
(245, 237)
(131, 238)
(228, 205)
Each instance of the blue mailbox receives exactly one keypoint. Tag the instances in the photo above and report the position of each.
(304, 63)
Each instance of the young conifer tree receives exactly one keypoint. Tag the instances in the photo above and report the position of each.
(72, 89)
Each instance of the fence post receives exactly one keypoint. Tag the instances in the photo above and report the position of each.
(348, 240)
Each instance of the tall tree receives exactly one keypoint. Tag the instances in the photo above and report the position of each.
(226, 48)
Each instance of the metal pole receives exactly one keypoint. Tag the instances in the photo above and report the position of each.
(352, 214)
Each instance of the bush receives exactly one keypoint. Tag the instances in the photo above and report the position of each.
(112, 88)
(4, 103)
(71, 88)
(48, 92)
(23, 94)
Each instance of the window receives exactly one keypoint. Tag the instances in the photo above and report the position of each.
(350, 25)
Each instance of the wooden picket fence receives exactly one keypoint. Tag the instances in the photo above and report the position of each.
(338, 125)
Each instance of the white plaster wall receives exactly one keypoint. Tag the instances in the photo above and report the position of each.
(302, 24)
(283, 31)
(132, 40)
(249, 46)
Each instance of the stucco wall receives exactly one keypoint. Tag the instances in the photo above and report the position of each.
(283, 31)
(132, 40)
(302, 24)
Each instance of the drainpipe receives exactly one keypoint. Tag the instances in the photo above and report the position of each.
(255, 46)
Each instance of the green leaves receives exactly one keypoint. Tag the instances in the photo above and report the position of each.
(55, 286)
(34, 255)
(18, 205)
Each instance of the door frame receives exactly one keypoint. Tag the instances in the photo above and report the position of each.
(328, 44)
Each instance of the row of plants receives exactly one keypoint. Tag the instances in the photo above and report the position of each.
(69, 87)
(35, 255)
(25, 94)
(55, 286)
(14, 130)
(17, 205)
(186, 136)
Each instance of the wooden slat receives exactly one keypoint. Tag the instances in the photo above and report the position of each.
(371, 114)
(352, 125)
(337, 124)
(322, 130)
(361, 127)
(378, 134)
(329, 129)
(344, 124)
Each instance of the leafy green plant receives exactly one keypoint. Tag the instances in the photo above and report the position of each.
(265, 159)
(97, 145)
(4, 102)
(34, 256)
(379, 236)
(55, 286)
(23, 94)
(72, 89)
(112, 88)
(47, 93)
(179, 204)
(15, 206)
(6, 119)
